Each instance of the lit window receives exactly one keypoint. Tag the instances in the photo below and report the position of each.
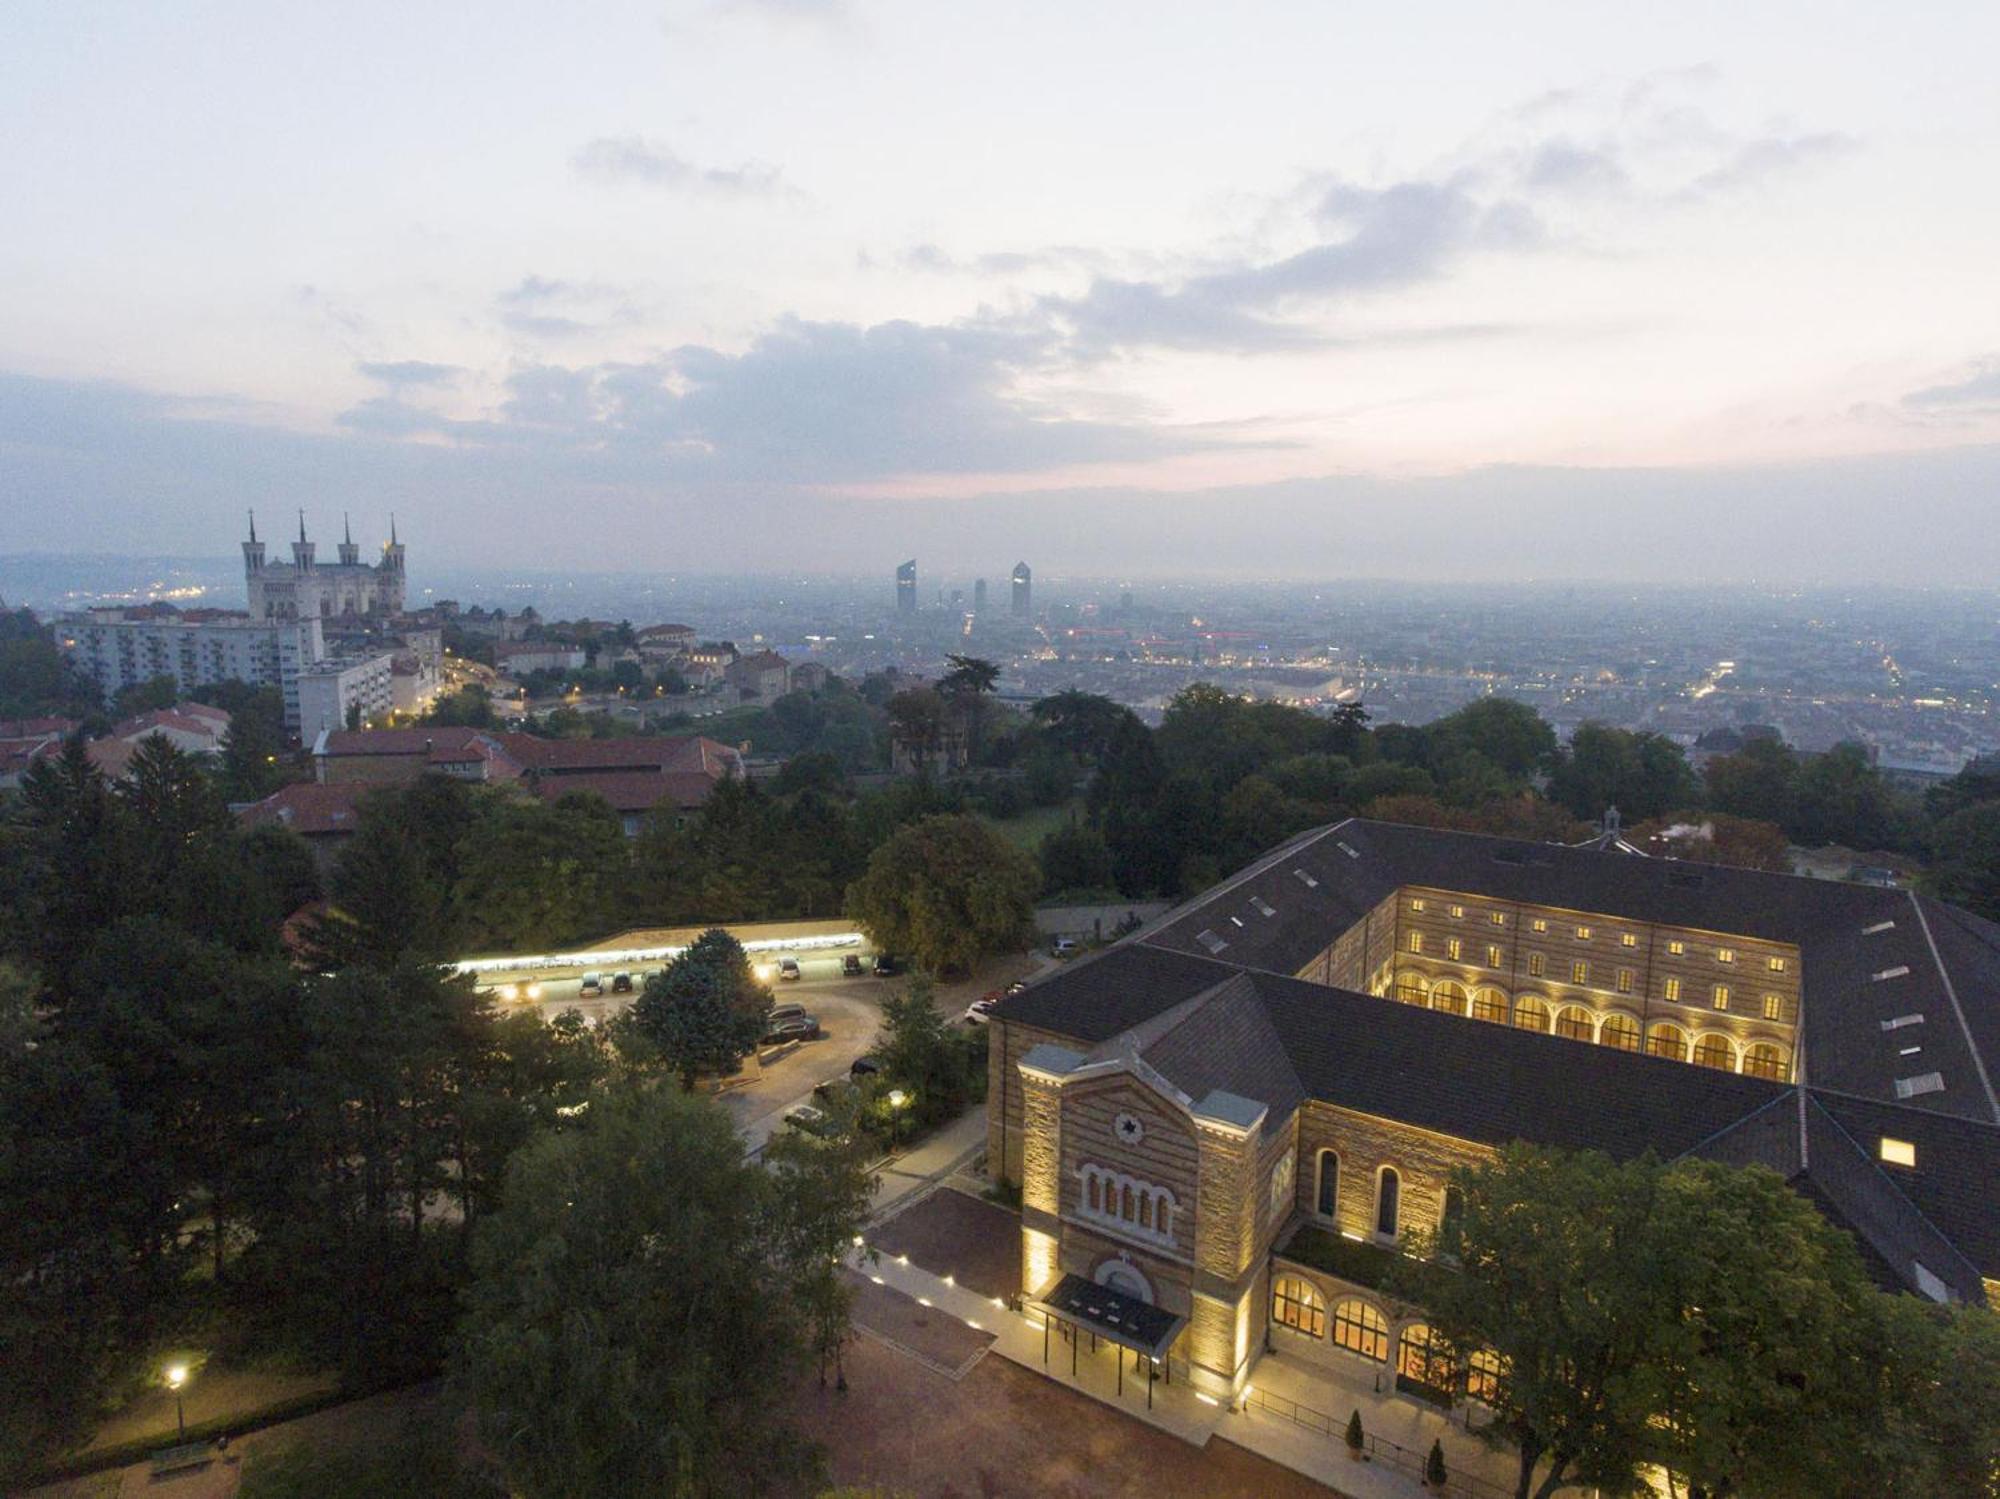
(1573, 1024)
(1482, 1379)
(1534, 965)
(1624, 981)
(1620, 1032)
(1532, 1015)
(1416, 942)
(1423, 1362)
(1776, 965)
(1898, 1152)
(1492, 957)
(1541, 925)
(1668, 1041)
(1765, 1060)
(1359, 1328)
(1457, 911)
(1283, 1175)
(1722, 996)
(1583, 934)
(1295, 1304)
(1725, 955)
(1497, 919)
(1579, 973)
(1773, 1007)
(1455, 948)
(1677, 949)
(1416, 905)
(1673, 988)
(1448, 997)
(1716, 1052)
(1626, 939)
(1412, 990)
(1489, 1004)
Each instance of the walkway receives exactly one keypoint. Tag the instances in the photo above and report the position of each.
(1195, 1417)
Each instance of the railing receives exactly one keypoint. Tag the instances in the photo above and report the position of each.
(1405, 1460)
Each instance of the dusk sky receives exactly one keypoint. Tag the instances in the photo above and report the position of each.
(1458, 290)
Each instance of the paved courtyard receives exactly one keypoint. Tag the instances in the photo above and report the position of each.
(949, 1232)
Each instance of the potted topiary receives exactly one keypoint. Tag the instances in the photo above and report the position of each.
(1354, 1437)
(1434, 1468)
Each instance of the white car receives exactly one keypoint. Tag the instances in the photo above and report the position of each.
(981, 1009)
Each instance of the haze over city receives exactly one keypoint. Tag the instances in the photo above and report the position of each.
(804, 286)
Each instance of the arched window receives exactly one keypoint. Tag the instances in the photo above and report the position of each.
(1420, 1360)
(1573, 1023)
(1294, 1303)
(1765, 1060)
(1145, 1210)
(1095, 1189)
(1388, 1201)
(1489, 1004)
(1531, 1015)
(1620, 1031)
(1482, 1378)
(1326, 1191)
(1411, 989)
(1715, 1051)
(1359, 1328)
(1453, 1215)
(1449, 997)
(1668, 1041)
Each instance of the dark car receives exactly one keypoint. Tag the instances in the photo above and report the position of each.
(621, 983)
(850, 965)
(864, 1067)
(800, 1027)
(885, 965)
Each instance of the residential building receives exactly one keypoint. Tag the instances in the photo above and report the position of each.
(1204, 1119)
(325, 816)
(117, 649)
(305, 588)
(666, 643)
(339, 691)
(761, 678)
(519, 657)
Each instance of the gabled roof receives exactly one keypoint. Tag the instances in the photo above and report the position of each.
(632, 791)
(309, 808)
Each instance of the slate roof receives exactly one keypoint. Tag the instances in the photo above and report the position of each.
(1206, 996)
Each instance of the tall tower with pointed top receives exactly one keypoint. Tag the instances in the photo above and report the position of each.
(253, 570)
(350, 554)
(302, 550)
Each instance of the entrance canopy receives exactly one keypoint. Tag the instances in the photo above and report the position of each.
(1122, 1319)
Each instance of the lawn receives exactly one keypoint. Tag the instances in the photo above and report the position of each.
(1027, 831)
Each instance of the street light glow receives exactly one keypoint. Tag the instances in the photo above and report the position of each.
(177, 1376)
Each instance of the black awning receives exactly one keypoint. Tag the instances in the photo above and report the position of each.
(1112, 1314)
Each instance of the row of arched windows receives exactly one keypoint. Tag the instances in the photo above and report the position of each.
(1360, 1327)
(1112, 1197)
(1578, 1023)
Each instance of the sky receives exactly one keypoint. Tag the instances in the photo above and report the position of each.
(1453, 290)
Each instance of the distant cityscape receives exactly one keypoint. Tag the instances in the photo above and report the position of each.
(1912, 675)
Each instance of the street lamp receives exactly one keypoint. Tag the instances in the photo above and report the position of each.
(898, 1102)
(177, 1378)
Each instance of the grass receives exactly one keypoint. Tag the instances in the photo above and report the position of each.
(1351, 1260)
(1027, 831)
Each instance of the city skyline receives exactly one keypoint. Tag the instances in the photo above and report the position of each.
(1296, 293)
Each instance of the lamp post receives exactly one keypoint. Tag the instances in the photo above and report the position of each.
(177, 1378)
(898, 1101)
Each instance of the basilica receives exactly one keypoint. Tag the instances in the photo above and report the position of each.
(306, 588)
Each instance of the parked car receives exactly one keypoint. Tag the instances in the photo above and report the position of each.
(810, 1119)
(850, 965)
(785, 1012)
(591, 985)
(864, 1066)
(885, 965)
(621, 983)
(981, 1009)
(799, 1027)
(1063, 947)
(788, 968)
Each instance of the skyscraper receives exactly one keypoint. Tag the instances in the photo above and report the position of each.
(1024, 583)
(979, 596)
(906, 587)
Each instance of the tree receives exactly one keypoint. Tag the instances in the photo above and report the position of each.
(917, 725)
(948, 891)
(1641, 774)
(635, 1304)
(1759, 782)
(704, 1012)
(537, 874)
(386, 903)
(1843, 799)
(1965, 864)
(1559, 1273)
(145, 697)
(253, 747)
(1083, 724)
(1508, 735)
(1075, 857)
(1716, 838)
(824, 1190)
(922, 1055)
(1943, 1401)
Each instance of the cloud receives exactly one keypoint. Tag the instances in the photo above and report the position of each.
(545, 308)
(1377, 239)
(407, 372)
(1562, 165)
(1756, 162)
(631, 158)
(1977, 392)
(806, 403)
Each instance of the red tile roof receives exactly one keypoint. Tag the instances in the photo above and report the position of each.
(631, 791)
(309, 808)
